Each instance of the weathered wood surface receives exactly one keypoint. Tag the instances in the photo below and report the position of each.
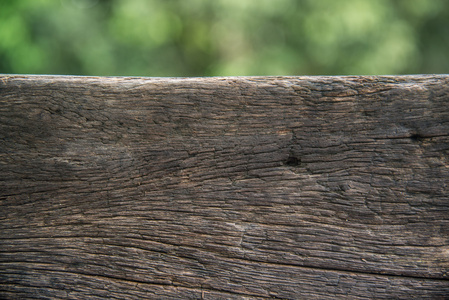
(216, 188)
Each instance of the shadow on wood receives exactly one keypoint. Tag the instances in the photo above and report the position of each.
(217, 188)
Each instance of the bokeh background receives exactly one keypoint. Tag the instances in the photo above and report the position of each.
(224, 37)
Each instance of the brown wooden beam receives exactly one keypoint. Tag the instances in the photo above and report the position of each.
(217, 188)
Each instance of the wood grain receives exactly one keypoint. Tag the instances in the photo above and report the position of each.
(224, 188)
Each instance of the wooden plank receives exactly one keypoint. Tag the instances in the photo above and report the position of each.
(218, 188)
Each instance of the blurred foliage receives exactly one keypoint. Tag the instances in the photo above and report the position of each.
(224, 37)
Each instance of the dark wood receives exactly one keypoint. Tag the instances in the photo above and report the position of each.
(218, 188)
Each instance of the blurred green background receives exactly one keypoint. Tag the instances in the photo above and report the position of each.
(224, 37)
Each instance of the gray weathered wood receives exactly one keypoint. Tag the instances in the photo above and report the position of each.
(217, 188)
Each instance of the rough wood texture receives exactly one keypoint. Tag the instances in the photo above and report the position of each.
(217, 188)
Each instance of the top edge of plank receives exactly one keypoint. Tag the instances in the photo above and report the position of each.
(121, 83)
(272, 77)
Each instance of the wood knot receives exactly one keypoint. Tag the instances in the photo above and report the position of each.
(292, 161)
(416, 137)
